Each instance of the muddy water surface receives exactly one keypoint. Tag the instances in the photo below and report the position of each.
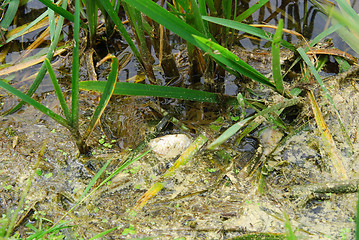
(208, 198)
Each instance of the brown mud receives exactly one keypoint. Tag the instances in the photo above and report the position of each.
(208, 198)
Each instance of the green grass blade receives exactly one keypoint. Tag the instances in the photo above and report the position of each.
(41, 233)
(227, 8)
(327, 94)
(136, 20)
(184, 4)
(24, 193)
(165, 18)
(348, 10)
(230, 60)
(251, 127)
(113, 15)
(123, 166)
(211, 7)
(325, 33)
(91, 13)
(58, 91)
(33, 103)
(94, 180)
(42, 70)
(102, 234)
(87, 189)
(248, 29)
(52, 24)
(229, 133)
(197, 19)
(33, 23)
(59, 10)
(193, 36)
(138, 89)
(105, 98)
(251, 10)
(233, 129)
(276, 66)
(9, 14)
(131, 15)
(227, 12)
(241, 102)
(62, 11)
(347, 18)
(272, 118)
(203, 12)
(288, 229)
(350, 38)
(75, 68)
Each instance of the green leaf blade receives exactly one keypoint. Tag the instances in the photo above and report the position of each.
(58, 91)
(59, 10)
(105, 98)
(248, 29)
(33, 103)
(42, 70)
(111, 12)
(75, 68)
(137, 89)
(9, 14)
(276, 66)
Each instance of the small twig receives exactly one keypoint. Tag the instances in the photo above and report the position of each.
(160, 56)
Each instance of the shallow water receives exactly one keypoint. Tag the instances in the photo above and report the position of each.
(209, 197)
(300, 16)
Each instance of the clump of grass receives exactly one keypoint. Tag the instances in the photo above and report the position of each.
(71, 120)
(192, 21)
(196, 31)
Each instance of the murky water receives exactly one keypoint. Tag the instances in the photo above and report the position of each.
(300, 16)
(209, 197)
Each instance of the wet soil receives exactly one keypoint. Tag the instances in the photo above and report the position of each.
(208, 198)
(211, 197)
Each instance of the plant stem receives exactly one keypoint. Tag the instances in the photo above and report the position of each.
(75, 68)
(80, 143)
(42, 70)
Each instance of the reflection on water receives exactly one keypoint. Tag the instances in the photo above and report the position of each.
(300, 16)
